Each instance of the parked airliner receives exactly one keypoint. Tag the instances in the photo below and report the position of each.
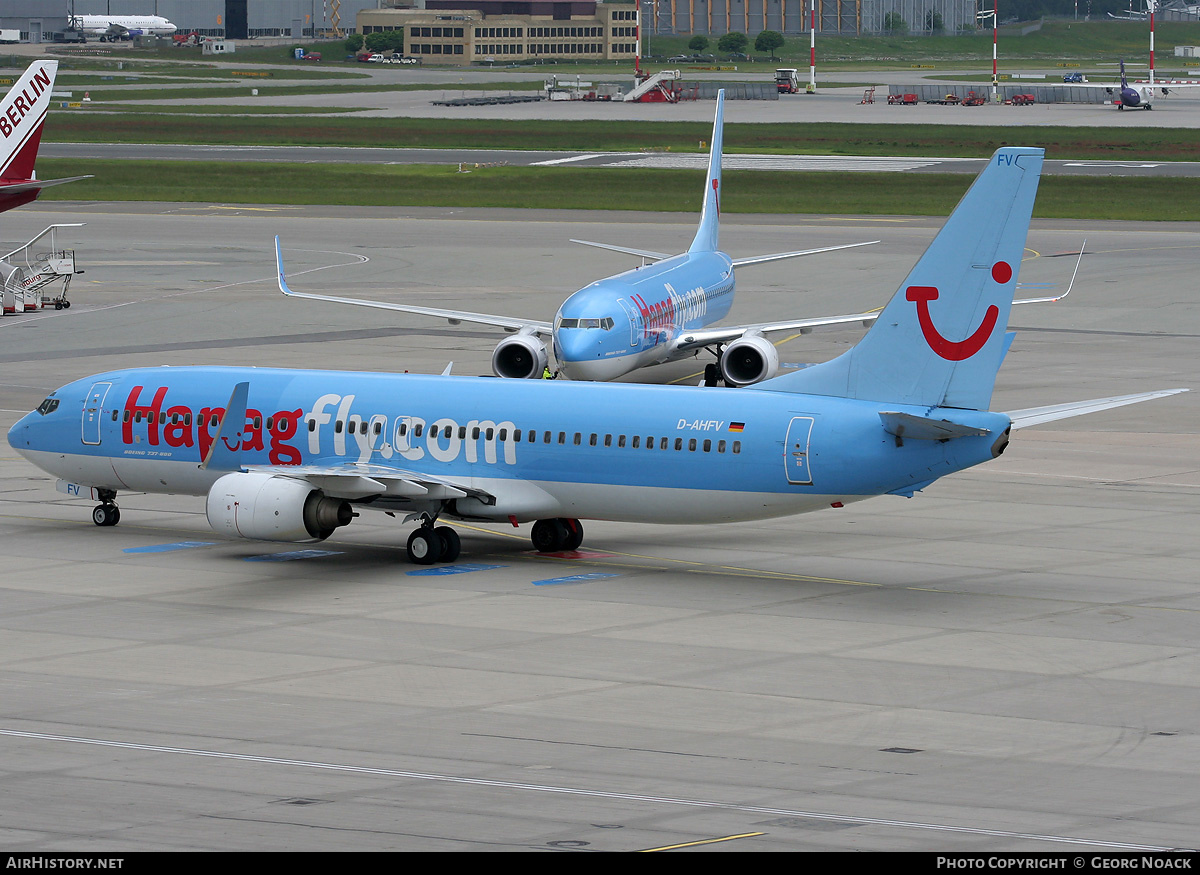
(22, 116)
(121, 27)
(293, 455)
(661, 311)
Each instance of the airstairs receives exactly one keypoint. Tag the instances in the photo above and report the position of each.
(38, 274)
(654, 89)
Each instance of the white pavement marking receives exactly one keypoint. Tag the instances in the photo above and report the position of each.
(577, 791)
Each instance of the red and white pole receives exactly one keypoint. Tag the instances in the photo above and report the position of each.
(637, 40)
(995, 75)
(812, 47)
(1150, 4)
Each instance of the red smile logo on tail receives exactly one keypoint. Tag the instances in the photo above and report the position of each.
(951, 350)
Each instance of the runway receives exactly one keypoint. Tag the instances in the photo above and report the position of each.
(1006, 662)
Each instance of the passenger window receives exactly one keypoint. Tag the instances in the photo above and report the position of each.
(692, 445)
(578, 439)
(720, 446)
(621, 442)
(418, 429)
(662, 445)
(707, 446)
(592, 440)
(637, 441)
(737, 446)
(679, 443)
(114, 416)
(337, 427)
(433, 431)
(312, 425)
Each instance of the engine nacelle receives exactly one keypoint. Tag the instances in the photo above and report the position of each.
(266, 507)
(521, 356)
(749, 359)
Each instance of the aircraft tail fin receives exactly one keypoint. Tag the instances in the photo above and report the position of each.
(22, 115)
(707, 235)
(940, 340)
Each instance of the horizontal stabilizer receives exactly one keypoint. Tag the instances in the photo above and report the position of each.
(36, 184)
(1039, 415)
(922, 428)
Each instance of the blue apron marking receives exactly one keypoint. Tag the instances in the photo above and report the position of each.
(464, 568)
(293, 554)
(166, 548)
(574, 578)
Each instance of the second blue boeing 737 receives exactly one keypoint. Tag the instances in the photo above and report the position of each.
(659, 312)
(293, 455)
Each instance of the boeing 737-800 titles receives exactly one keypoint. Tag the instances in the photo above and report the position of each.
(293, 455)
(659, 312)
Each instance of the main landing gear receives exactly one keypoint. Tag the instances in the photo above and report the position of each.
(554, 536)
(432, 543)
(106, 513)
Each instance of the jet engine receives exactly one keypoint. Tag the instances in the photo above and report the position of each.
(521, 356)
(749, 359)
(266, 507)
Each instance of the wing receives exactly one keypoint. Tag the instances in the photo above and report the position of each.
(454, 317)
(392, 487)
(779, 256)
(1039, 415)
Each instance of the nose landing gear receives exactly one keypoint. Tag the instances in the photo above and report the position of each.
(106, 513)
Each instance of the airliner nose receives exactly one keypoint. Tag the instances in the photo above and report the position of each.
(19, 437)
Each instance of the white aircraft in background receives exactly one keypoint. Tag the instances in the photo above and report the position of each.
(121, 27)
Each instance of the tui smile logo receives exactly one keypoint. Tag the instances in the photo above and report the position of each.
(956, 350)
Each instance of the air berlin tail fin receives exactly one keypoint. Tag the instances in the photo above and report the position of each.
(940, 340)
(22, 114)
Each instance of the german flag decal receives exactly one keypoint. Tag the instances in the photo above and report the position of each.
(737, 426)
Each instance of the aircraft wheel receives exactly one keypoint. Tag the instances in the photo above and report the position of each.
(451, 543)
(424, 547)
(66, 305)
(106, 515)
(58, 305)
(574, 530)
(548, 536)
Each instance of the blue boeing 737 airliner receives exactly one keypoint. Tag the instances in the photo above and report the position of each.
(292, 455)
(661, 311)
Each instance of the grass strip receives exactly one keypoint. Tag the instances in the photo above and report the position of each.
(824, 138)
(746, 191)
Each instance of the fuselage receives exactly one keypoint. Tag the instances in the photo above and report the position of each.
(544, 449)
(634, 319)
(134, 25)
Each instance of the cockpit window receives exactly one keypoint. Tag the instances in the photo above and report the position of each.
(606, 323)
(48, 406)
